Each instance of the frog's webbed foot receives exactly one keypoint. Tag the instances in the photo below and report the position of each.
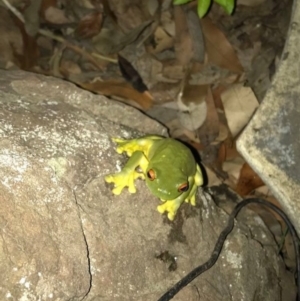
(170, 207)
(126, 177)
(123, 179)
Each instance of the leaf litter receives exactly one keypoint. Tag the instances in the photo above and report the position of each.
(202, 78)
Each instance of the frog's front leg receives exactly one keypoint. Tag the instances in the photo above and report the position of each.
(171, 206)
(126, 177)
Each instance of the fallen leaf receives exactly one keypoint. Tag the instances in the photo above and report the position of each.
(212, 178)
(248, 181)
(239, 104)
(32, 17)
(30, 54)
(131, 75)
(195, 31)
(45, 5)
(192, 107)
(209, 131)
(119, 89)
(219, 51)
(227, 152)
(233, 168)
(224, 132)
(52, 14)
(55, 15)
(12, 45)
(90, 25)
(183, 42)
(110, 41)
(162, 41)
(68, 67)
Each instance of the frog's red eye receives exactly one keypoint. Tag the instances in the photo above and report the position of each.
(151, 174)
(183, 187)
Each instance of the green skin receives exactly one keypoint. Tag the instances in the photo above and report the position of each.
(176, 173)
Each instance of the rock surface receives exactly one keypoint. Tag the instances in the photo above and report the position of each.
(64, 236)
(270, 143)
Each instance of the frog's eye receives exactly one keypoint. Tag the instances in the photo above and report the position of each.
(151, 174)
(183, 187)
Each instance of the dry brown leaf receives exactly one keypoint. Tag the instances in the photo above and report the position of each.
(194, 93)
(172, 70)
(111, 40)
(248, 181)
(51, 13)
(90, 25)
(224, 132)
(119, 89)
(233, 168)
(239, 105)
(219, 50)
(30, 54)
(162, 41)
(210, 129)
(46, 4)
(68, 67)
(11, 46)
(31, 17)
(212, 177)
(192, 106)
(217, 92)
(55, 15)
(227, 153)
(183, 41)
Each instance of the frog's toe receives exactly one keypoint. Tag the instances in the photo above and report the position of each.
(117, 190)
(171, 216)
(109, 178)
(131, 188)
(119, 150)
(169, 206)
(193, 200)
(161, 209)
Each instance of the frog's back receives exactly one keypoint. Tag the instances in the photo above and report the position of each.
(172, 153)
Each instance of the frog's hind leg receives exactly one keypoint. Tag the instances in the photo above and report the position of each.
(130, 146)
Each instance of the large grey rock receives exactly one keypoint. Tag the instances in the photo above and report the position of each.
(64, 236)
(270, 143)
